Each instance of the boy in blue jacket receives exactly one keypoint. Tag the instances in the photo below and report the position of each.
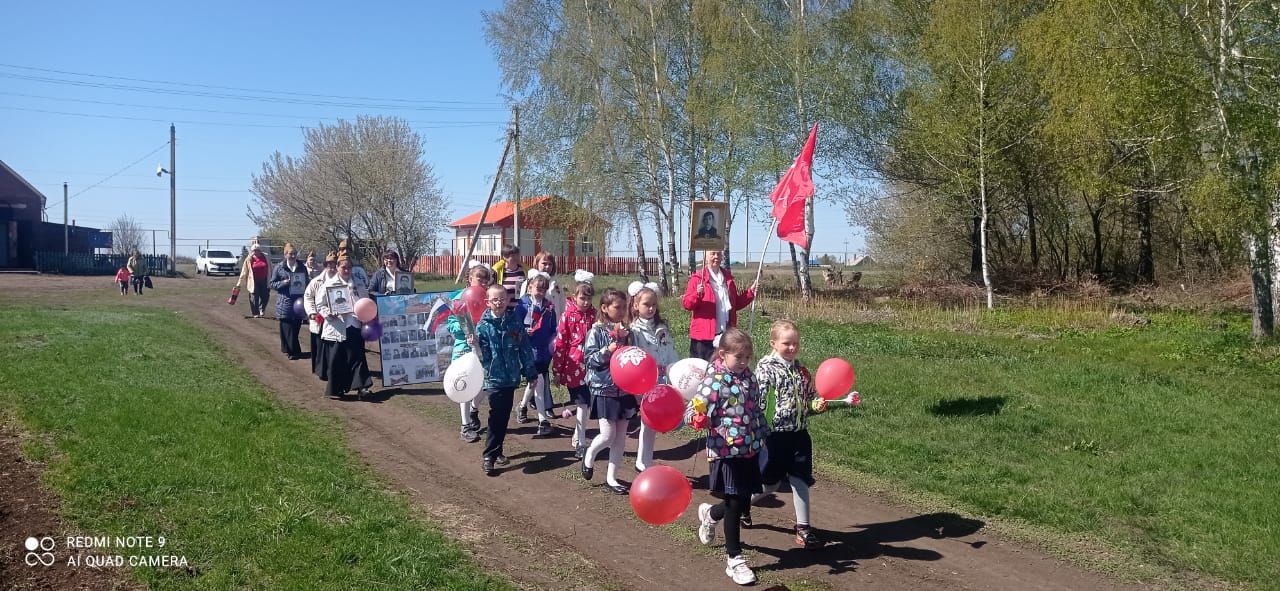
(507, 357)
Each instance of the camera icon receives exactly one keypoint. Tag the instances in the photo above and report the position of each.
(39, 551)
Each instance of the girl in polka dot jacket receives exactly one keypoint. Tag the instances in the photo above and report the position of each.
(730, 406)
(569, 361)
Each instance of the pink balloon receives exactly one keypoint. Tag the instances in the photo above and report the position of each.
(660, 495)
(633, 370)
(366, 309)
(834, 379)
(662, 408)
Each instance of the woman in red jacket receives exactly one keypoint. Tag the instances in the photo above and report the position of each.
(713, 298)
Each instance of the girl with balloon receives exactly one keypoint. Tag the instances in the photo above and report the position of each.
(461, 326)
(729, 405)
(791, 393)
(569, 359)
(650, 333)
(609, 404)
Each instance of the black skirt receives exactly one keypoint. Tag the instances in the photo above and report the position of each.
(317, 359)
(346, 368)
(736, 476)
(614, 408)
(790, 454)
(580, 395)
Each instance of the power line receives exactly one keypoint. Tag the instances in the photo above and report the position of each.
(250, 114)
(238, 97)
(284, 92)
(112, 175)
(230, 124)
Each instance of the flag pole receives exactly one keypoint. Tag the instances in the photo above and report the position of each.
(751, 324)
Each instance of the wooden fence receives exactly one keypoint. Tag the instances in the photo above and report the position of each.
(449, 265)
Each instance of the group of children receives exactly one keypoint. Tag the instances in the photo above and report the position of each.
(750, 455)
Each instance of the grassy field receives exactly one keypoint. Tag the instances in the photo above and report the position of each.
(149, 430)
(1155, 438)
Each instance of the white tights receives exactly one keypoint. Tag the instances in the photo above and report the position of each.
(644, 455)
(613, 434)
(580, 428)
(799, 497)
(534, 392)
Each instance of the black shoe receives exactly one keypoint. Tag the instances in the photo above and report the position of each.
(522, 416)
(501, 460)
(620, 489)
(469, 435)
(487, 465)
(588, 471)
(745, 519)
(580, 452)
(544, 429)
(806, 538)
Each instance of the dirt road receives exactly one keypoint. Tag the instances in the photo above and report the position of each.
(538, 522)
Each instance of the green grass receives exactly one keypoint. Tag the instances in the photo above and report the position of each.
(1160, 440)
(156, 433)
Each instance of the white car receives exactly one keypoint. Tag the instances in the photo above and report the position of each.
(220, 262)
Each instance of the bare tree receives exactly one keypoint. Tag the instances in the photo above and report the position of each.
(365, 179)
(126, 235)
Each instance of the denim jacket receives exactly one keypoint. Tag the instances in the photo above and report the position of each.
(598, 355)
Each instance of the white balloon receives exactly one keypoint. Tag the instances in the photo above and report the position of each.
(686, 374)
(464, 379)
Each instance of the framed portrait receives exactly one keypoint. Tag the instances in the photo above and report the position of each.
(708, 225)
(340, 299)
(404, 283)
(297, 283)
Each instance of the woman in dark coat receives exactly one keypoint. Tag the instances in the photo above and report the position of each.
(289, 279)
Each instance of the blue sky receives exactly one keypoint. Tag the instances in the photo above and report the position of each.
(51, 132)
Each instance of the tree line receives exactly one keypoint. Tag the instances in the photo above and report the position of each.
(1006, 141)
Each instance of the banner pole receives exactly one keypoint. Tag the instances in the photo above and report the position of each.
(751, 324)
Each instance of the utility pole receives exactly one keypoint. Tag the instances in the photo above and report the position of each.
(173, 199)
(515, 176)
(66, 231)
(153, 243)
(845, 260)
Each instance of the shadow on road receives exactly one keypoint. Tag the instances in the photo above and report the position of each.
(843, 550)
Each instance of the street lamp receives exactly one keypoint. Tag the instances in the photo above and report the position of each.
(173, 198)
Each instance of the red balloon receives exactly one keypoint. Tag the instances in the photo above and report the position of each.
(660, 495)
(834, 378)
(633, 370)
(662, 408)
(474, 297)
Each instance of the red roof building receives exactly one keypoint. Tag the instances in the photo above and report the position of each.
(547, 222)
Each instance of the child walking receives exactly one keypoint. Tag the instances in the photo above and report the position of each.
(728, 404)
(789, 386)
(649, 332)
(540, 322)
(506, 356)
(610, 405)
(122, 280)
(569, 358)
(460, 327)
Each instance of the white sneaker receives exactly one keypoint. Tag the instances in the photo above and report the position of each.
(739, 571)
(706, 531)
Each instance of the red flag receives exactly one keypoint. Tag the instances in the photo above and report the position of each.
(789, 196)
